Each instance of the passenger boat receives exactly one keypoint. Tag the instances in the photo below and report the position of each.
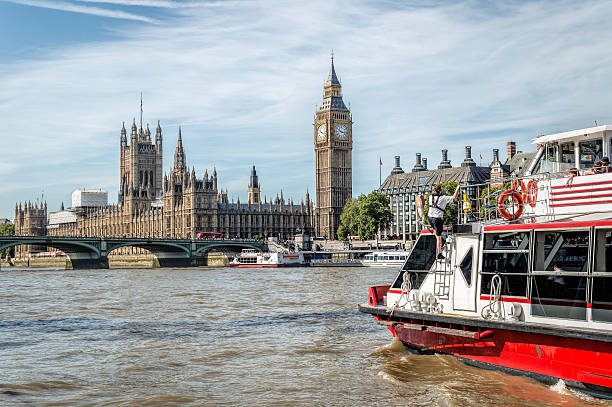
(385, 259)
(526, 287)
(255, 258)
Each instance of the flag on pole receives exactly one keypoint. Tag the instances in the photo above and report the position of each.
(380, 159)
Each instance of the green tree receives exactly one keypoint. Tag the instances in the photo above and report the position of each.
(6, 229)
(365, 215)
(348, 219)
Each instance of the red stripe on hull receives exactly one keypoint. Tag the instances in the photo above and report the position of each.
(570, 359)
(581, 203)
(580, 184)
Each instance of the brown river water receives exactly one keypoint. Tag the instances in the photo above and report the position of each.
(226, 337)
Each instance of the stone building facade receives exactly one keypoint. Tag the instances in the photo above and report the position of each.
(179, 205)
(403, 188)
(333, 145)
(30, 220)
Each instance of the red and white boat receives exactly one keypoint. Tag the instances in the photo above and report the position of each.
(255, 258)
(530, 292)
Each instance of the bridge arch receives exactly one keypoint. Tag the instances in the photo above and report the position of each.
(82, 254)
(228, 245)
(167, 253)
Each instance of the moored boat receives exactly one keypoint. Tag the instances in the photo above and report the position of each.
(385, 258)
(528, 291)
(255, 258)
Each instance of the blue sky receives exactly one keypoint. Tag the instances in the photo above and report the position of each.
(243, 78)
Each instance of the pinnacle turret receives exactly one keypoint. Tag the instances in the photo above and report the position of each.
(332, 78)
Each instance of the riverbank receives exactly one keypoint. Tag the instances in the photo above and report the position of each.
(114, 261)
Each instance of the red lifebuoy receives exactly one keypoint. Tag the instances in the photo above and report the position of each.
(518, 185)
(516, 201)
(420, 206)
(532, 193)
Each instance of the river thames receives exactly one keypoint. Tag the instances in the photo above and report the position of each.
(226, 337)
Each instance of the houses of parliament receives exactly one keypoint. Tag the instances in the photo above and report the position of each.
(181, 204)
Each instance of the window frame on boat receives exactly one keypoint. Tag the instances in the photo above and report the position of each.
(507, 254)
(601, 311)
(417, 276)
(556, 301)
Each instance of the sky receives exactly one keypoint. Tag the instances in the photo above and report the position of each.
(243, 79)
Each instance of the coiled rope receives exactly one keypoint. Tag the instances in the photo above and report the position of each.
(494, 306)
(406, 287)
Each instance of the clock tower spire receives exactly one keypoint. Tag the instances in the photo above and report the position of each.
(333, 145)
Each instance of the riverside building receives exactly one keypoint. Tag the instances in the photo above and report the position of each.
(179, 205)
(402, 188)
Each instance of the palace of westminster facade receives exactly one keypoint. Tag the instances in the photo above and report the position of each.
(179, 204)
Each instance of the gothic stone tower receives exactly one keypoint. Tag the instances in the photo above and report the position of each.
(333, 145)
(253, 191)
(140, 166)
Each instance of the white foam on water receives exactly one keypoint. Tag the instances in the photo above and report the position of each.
(560, 387)
(386, 376)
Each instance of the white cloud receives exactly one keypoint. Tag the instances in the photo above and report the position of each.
(75, 8)
(243, 79)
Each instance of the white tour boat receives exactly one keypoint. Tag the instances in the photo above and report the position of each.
(255, 258)
(385, 258)
(526, 286)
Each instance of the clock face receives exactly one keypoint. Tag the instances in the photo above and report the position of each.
(341, 132)
(321, 133)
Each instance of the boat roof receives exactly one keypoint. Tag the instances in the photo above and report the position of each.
(572, 133)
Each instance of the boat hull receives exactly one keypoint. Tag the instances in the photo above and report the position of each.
(265, 265)
(584, 364)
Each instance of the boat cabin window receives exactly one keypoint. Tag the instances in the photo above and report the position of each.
(507, 241)
(558, 285)
(602, 280)
(562, 251)
(506, 254)
(568, 158)
(546, 162)
(466, 266)
(591, 151)
(419, 262)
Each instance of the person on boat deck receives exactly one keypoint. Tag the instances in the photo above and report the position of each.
(435, 214)
(573, 172)
(605, 165)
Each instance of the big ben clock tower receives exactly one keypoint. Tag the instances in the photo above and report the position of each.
(333, 145)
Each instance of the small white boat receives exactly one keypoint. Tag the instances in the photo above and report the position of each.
(385, 258)
(255, 258)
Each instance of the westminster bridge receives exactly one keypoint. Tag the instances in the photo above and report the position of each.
(92, 252)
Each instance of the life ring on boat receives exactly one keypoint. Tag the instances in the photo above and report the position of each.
(531, 194)
(510, 199)
(420, 206)
(518, 185)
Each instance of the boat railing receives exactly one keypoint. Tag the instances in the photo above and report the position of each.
(482, 202)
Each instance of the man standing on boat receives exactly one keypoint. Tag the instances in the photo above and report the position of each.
(435, 214)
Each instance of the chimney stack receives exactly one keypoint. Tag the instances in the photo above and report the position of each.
(397, 169)
(445, 163)
(468, 161)
(495, 155)
(511, 149)
(418, 166)
(425, 163)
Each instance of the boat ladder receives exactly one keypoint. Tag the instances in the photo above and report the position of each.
(443, 272)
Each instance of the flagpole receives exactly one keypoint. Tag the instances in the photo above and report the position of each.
(379, 172)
